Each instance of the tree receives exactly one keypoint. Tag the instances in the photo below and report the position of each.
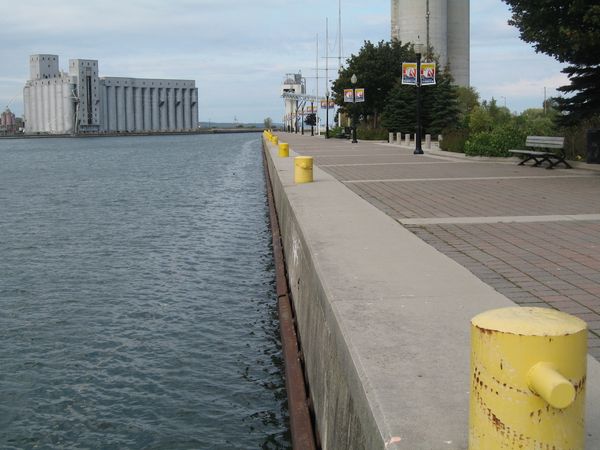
(377, 67)
(443, 109)
(570, 32)
(400, 110)
(311, 120)
(268, 123)
(439, 106)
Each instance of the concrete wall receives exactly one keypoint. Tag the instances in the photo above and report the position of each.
(383, 320)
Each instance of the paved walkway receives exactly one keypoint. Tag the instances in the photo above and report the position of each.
(532, 234)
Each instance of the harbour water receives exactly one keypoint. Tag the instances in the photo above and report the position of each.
(137, 301)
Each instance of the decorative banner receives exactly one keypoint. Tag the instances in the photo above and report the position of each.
(409, 73)
(324, 104)
(428, 74)
(348, 96)
(359, 95)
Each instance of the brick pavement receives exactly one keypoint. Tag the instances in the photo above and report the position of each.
(535, 259)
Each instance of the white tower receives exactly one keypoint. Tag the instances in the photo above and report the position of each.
(293, 84)
(441, 24)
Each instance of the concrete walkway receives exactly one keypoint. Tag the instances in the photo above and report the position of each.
(531, 234)
(383, 316)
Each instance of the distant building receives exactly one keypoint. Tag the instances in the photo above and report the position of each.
(82, 102)
(294, 84)
(8, 122)
(8, 119)
(441, 24)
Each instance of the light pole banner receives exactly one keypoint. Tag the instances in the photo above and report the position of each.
(324, 104)
(348, 96)
(428, 74)
(409, 73)
(359, 95)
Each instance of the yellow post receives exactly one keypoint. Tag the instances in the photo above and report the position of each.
(528, 375)
(275, 140)
(284, 150)
(303, 169)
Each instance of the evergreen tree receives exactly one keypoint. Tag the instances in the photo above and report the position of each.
(377, 67)
(401, 109)
(439, 107)
(444, 109)
(570, 32)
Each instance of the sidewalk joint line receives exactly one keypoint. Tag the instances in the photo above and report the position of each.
(498, 219)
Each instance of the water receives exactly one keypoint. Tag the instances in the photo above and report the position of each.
(137, 301)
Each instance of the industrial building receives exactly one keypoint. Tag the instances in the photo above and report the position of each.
(81, 102)
(443, 25)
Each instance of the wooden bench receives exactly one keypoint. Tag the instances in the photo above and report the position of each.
(547, 143)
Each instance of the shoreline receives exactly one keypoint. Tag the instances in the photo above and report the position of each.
(166, 133)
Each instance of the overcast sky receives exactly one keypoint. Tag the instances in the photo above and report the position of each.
(239, 51)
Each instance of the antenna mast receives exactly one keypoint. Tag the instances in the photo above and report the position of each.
(340, 35)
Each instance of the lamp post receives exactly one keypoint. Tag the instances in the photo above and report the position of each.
(327, 114)
(419, 52)
(353, 80)
(312, 125)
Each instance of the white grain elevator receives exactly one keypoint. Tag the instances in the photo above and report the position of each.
(441, 24)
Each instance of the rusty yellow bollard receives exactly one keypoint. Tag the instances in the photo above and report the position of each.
(528, 375)
(284, 150)
(303, 169)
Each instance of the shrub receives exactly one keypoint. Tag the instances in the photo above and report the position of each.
(336, 132)
(368, 134)
(496, 142)
(454, 140)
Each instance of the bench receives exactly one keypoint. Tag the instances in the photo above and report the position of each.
(546, 143)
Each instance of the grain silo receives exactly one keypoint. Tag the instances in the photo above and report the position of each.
(441, 24)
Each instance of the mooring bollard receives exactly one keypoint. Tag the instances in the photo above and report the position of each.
(303, 169)
(528, 378)
(284, 150)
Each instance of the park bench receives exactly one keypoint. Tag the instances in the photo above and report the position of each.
(549, 154)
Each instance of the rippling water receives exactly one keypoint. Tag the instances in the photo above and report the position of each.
(137, 302)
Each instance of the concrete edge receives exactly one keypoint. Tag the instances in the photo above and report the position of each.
(353, 364)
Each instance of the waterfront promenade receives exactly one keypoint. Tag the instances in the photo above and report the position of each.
(531, 234)
(384, 289)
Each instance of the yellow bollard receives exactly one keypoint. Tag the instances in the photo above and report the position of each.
(528, 369)
(275, 140)
(303, 169)
(284, 150)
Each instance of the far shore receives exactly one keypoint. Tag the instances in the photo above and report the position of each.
(166, 133)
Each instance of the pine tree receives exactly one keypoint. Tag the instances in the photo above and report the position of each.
(444, 110)
(570, 32)
(400, 109)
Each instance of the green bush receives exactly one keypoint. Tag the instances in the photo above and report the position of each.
(368, 134)
(496, 142)
(336, 132)
(454, 140)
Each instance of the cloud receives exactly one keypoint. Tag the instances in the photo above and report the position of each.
(238, 52)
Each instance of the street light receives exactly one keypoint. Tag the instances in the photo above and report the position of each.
(327, 113)
(353, 80)
(419, 52)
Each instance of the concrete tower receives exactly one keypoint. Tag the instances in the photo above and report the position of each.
(441, 24)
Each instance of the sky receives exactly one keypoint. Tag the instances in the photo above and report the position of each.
(238, 52)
